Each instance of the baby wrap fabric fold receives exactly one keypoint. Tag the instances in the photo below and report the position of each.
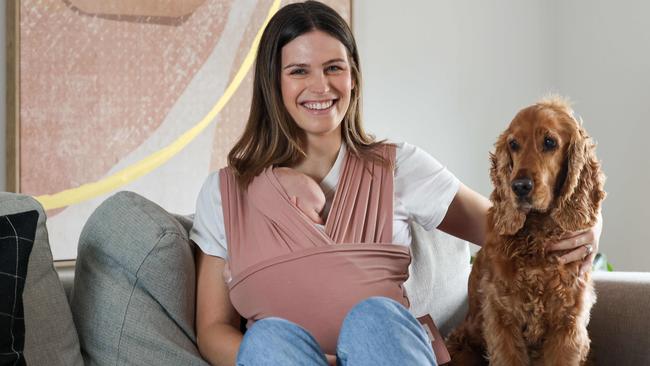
(283, 266)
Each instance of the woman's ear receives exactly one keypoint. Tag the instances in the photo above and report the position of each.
(580, 196)
(506, 217)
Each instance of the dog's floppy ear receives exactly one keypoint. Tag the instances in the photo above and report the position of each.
(582, 192)
(506, 217)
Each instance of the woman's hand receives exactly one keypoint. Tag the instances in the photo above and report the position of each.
(584, 245)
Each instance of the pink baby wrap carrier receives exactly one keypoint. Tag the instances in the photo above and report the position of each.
(284, 266)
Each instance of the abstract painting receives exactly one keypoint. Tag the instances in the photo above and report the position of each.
(147, 96)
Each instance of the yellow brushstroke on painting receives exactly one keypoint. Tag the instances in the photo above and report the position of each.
(153, 161)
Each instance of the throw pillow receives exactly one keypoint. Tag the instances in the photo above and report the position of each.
(17, 233)
(134, 291)
(437, 285)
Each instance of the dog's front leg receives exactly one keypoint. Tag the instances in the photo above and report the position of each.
(503, 337)
(566, 347)
(567, 343)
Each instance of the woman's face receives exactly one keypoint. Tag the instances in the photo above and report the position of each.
(316, 82)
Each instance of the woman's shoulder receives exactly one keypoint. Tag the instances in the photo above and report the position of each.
(413, 162)
(210, 187)
(208, 229)
(212, 181)
(406, 153)
(226, 173)
(402, 149)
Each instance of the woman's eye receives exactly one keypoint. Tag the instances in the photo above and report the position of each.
(514, 146)
(549, 144)
(298, 72)
(334, 68)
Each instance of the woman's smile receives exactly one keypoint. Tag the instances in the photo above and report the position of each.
(319, 107)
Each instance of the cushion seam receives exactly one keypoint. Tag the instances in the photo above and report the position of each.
(126, 310)
(128, 305)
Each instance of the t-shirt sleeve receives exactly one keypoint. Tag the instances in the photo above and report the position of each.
(423, 185)
(208, 230)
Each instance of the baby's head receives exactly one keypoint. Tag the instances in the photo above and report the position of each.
(303, 191)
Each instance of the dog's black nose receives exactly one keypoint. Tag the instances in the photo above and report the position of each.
(522, 186)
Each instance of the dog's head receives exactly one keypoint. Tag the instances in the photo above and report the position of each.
(545, 162)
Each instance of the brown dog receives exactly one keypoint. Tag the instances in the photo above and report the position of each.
(525, 307)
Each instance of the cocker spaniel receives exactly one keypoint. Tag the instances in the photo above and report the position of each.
(525, 307)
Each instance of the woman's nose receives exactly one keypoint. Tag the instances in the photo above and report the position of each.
(319, 84)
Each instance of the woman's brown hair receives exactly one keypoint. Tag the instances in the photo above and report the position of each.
(271, 136)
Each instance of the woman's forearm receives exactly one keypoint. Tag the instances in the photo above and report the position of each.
(219, 344)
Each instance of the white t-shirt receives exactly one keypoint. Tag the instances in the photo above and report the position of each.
(423, 187)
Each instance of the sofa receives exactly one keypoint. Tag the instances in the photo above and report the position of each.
(128, 299)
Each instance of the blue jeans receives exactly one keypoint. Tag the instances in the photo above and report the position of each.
(377, 331)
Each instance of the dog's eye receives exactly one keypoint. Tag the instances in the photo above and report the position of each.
(549, 144)
(514, 146)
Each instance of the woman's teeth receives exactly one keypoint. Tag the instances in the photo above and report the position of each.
(319, 105)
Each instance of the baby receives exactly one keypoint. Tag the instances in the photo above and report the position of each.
(303, 192)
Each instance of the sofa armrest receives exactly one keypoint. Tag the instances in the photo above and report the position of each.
(620, 319)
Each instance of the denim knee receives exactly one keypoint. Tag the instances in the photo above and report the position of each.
(272, 333)
(376, 308)
(275, 341)
(380, 331)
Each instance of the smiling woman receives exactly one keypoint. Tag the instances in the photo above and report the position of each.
(315, 294)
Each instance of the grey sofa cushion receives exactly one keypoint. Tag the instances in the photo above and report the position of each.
(50, 336)
(619, 327)
(134, 290)
(437, 283)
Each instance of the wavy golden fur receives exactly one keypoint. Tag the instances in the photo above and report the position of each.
(526, 308)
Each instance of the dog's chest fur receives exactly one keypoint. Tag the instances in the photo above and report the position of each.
(532, 289)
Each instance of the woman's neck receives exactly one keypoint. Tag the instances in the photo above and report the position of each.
(322, 152)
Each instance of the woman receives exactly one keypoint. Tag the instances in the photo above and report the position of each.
(305, 115)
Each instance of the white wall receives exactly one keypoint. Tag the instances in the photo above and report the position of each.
(449, 75)
(604, 65)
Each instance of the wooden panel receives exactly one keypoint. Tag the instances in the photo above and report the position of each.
(13, 96)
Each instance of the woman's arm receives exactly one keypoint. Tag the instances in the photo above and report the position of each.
(466, 216)
(217, 321)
